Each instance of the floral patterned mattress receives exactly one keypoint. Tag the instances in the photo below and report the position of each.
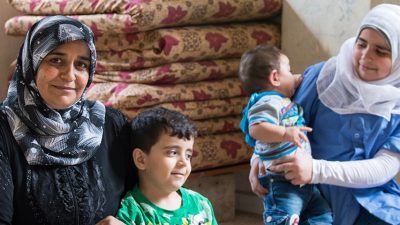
(127, 16)
(179, 54)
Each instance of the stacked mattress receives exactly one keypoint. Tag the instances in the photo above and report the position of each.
(179, 54)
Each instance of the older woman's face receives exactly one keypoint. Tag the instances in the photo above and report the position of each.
(63, 74)
(372, 57)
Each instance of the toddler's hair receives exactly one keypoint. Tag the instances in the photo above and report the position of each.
(255, 66)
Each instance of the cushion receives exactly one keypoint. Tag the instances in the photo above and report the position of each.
(149, 14)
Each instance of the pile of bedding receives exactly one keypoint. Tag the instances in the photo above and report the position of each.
(179, 54)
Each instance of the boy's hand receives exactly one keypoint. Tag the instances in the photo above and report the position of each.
(296, 134)
(298, 79)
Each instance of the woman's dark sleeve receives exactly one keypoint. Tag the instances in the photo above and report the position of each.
(123, 145)
(6, 180)
(131, 174)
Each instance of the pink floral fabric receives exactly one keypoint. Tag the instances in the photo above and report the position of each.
(174, 73)
(142, 15)
(220, 150)
(100, 24)
(122, 52)
(218, 125)
(163, 46)
(122, 95)
(68, 7)
(151, 54)
(200, 110)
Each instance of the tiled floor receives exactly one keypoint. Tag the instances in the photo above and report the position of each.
(242, 218)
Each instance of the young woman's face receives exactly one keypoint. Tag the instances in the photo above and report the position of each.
(372, 58)
(63, 74)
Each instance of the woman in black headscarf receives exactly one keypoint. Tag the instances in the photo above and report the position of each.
(63, 159)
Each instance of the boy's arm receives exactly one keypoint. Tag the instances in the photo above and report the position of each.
(214, 220)
(129, 210)
(267, 132)
(270, 133)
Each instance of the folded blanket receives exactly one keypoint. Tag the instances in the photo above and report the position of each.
(153, 48)
(144, 15)
(116, 23)
(121, 95)
(220, 150)
(189, 38)
(199, 110)
(218, 125)
(174, 73)
(68, 7)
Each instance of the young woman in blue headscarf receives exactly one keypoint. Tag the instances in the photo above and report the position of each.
(352, 102)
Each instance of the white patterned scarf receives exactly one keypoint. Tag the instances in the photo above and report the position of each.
(340, 88)
(47, 136)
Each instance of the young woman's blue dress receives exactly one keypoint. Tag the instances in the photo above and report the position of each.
(350, 137)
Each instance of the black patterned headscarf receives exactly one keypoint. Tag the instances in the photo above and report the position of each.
(45, 135)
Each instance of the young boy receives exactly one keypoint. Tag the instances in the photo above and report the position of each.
(274, 126)
(162, 149)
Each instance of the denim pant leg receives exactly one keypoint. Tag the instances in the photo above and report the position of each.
(366, 218)
(317, 210)
(282, 205)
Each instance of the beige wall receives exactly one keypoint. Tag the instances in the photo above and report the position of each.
(9, 46)
(314, 30)
(377, 2)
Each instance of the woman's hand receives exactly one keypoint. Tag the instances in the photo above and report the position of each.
(110, 220)
(297, 168)
(257, 169)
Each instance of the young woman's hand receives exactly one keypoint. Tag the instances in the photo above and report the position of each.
(296, 134)
(110, 220)
(257, 169)
(297, 168)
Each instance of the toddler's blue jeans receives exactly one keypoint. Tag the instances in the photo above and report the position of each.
(287, 204)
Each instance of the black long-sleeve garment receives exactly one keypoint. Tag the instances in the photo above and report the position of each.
(81, 194)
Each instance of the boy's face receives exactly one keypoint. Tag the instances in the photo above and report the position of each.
(167, 166)
(287, 80)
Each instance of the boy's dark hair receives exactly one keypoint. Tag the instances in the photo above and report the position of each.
(255, 66)
(150, 124)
